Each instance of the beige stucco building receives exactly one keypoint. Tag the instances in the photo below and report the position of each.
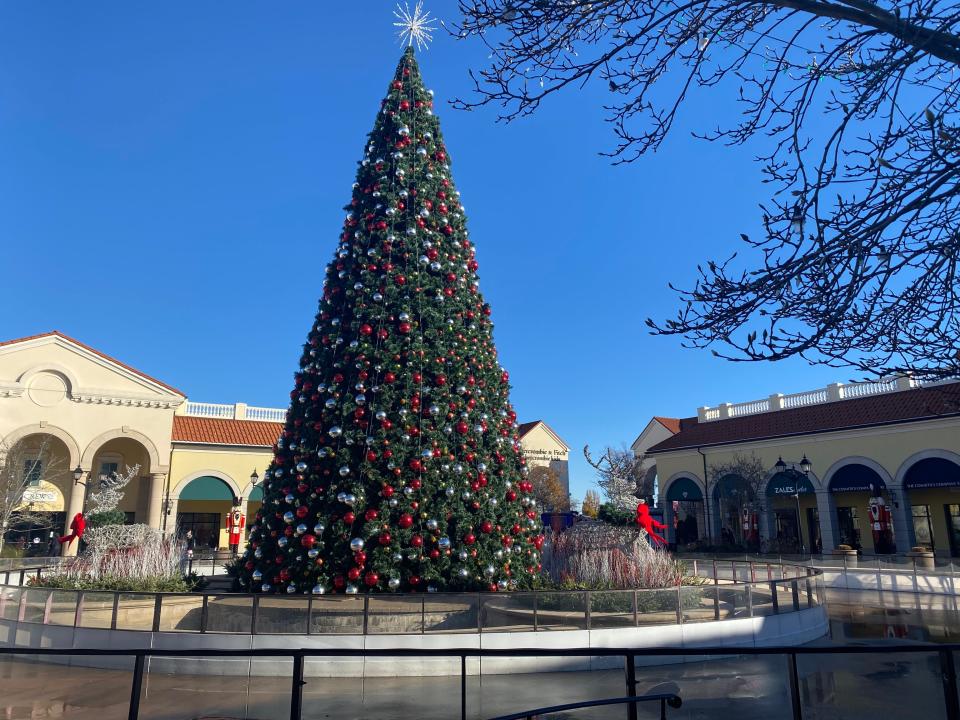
(893, 440)
(92, 414)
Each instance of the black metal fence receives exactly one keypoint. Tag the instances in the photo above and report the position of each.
(942, 656)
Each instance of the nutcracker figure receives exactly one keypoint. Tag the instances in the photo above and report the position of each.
(235, 523)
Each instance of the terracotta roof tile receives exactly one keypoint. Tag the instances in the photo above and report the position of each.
(925, 403)
(218, 431)
(524, 428)
(671, 424)
(57, 333)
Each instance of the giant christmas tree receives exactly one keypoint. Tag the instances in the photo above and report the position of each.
(399, 468)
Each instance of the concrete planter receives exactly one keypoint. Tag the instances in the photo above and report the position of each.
(922, 557)
(849, 557)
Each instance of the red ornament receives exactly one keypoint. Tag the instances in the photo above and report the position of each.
(371, 578)
(349, 517)
(308, 541)
(385, 538)
(389, 377)
(462, 427)
(302, 511)
(470, 538)
(405, 521)
(353, 573)
(404, 327)
(339, 582)
(366, 330)
(486, 526)
(372, 514)
(416, 541)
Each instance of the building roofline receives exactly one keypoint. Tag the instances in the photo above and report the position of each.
(109, 358)
(779, 436)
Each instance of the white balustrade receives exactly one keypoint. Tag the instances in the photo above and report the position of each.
(264, 414)
(832, 393)
(235, 412)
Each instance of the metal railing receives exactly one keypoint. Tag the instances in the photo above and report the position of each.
(732, 590)
(939, 658)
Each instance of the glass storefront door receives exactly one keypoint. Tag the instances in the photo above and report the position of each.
(205, 527)
(848, 525)
(922, 525)
(788, 530)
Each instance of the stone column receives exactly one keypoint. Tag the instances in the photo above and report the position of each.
(155, 499)
(246, 522)
(74, 505)
(172, 506)
(826, 512)
(671, 533)
(902, 521)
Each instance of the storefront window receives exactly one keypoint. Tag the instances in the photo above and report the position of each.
(922, 527)
(849, 526)
(33, 471)
(953, 528)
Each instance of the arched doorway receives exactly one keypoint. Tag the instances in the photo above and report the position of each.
(118, 455)
(854, 489)
(736, 512)
(37, 475)
(932, 486)
(686, 507)
(793, 504)
(202, 509)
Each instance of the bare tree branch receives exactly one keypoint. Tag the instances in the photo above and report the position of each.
(852, 108)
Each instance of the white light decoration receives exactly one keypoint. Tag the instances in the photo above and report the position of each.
(414, 27)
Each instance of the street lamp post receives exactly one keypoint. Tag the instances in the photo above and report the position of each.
(805, 466)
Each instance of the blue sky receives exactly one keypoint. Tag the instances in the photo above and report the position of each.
(172, 178)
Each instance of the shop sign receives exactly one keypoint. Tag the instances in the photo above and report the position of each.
(789, 484)
(45, 497)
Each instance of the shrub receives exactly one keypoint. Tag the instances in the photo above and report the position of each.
(105, 517)
(610, 513)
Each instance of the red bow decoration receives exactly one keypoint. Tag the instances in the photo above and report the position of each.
(648, 523)
(77, 525)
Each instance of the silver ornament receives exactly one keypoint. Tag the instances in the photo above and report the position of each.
(282, 541)
(393, 583)
(301, 467)
(432, 524)
(356, 545)
(319, 590)
(335, 431)
(344, 471)
(301, 529)
(288, 517)
(319, 528)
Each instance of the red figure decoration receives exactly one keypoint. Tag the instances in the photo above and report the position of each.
(235, 524)
(77, 525)
(647, 522)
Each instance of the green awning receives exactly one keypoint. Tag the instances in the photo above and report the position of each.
(207, 488)
(684, 489)
(789, 483)
(256, 495)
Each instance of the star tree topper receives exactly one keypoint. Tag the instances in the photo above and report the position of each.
(415, 27)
